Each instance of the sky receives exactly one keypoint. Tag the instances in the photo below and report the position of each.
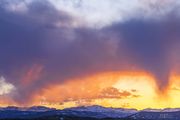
(67, 53)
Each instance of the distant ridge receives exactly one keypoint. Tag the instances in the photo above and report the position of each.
(87, 108)
(32, 108)
(87, 112)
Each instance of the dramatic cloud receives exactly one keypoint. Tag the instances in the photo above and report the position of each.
(42, 45)
(112, 92)
(5, 88)
(117, 10)
(106, 93)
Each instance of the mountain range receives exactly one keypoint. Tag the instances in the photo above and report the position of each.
(87, 113)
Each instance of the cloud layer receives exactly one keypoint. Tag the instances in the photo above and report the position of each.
(41, 44)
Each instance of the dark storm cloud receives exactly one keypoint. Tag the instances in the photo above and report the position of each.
(45, 40)
(150, 43)
(22, 37)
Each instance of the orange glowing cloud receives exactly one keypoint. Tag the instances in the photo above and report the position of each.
(111, 89)
(112, 92)
(103, 89)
